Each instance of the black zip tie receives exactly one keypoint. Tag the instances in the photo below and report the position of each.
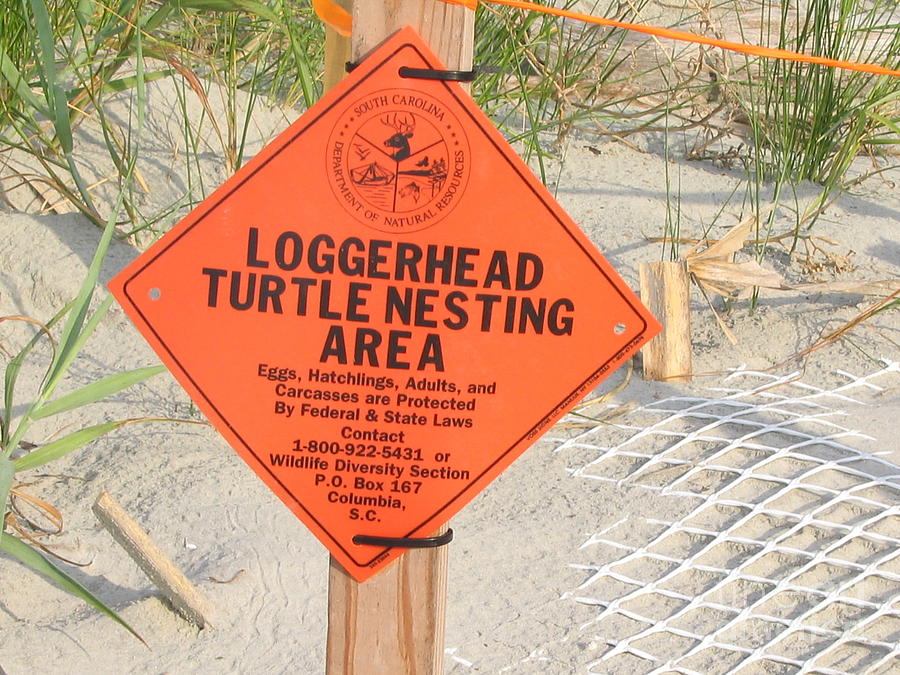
(444, 75)
(405, 542)
(430, 74)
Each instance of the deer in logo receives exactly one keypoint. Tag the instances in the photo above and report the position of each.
(403, 127)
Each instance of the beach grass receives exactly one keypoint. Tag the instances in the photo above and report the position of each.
(810, 122)
(19, 412)
(542, 79)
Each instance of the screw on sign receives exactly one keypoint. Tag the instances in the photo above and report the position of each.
(383, 309)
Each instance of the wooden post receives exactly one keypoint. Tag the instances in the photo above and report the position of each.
(337, 52)
(393, 624)
(449, 29)
(665, 290)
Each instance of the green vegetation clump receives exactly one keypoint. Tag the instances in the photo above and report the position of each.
(810, 121)
(62, 61)
(542, 79)
(17, 454)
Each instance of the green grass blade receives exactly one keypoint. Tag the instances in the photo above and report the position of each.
(114, 22)
(11, 74)
(12, 373)
(65, 445)
(96, 391)
(83, 11)
(126, 83)
(158, 18)
(31, 558)
(6, 478)
(893, 125)
(75, 344)
(300, 61)
(56, 96)
(77, 331)
(77, 439)
(249, 6)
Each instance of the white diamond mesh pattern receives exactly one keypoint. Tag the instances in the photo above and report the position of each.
(787, 557)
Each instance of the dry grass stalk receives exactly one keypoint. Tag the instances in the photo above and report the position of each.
(45, 520)
(715, 271)
(835, 335)
(608, 415)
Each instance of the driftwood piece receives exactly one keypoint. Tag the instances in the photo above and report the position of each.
(176, 587)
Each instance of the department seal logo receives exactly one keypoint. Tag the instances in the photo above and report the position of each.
(398, 160)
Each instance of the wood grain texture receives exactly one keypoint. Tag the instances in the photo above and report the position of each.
(665, 290)
(448, 29)
(337, 52)
(176, 587)
(393, 624)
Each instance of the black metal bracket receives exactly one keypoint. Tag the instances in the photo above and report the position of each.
(405, 542)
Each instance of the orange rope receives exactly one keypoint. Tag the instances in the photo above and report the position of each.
(684, 36)
(338, 18)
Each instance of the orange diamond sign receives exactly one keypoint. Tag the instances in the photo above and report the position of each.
(383, 309)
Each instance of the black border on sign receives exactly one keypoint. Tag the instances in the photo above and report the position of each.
(525, 179)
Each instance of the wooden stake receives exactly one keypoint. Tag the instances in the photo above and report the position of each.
(393, 624)
(448, 29)
(176, 587)
(665, 290)
(337, 52)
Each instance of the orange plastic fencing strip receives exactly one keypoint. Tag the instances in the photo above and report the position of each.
(684, 36)
(332, 14)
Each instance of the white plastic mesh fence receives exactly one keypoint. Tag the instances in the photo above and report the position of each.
(788, 557)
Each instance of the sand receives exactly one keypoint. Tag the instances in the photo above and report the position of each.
(650, 541)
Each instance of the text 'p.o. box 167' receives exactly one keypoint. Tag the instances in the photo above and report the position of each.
(383, 309)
